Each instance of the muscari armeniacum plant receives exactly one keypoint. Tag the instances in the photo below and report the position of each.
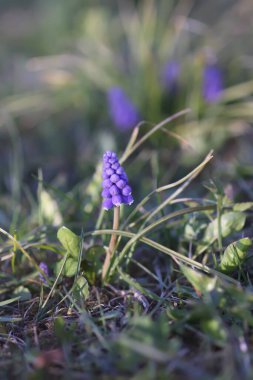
(116, 192)
(123, 111)
(43, 266)
(212, 86)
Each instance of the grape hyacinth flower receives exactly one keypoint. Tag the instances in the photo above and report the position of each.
(116, 192)
(212, 83)
(43, 266)
(124, 113)
(170, 75)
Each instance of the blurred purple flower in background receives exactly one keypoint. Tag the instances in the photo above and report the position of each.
(116, 190)
(124, 113)
(43, 266)
(212, 85)
(170, 75)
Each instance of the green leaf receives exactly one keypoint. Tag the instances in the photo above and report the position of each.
(23, 293)
(81, 289)
(69, 240)
(201, 282)
(230, 222)
(243, 206)
(235, 254)
(69, 269)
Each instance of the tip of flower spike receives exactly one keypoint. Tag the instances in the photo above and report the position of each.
(109, 155)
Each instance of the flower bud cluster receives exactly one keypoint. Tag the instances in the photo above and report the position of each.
(116, 190)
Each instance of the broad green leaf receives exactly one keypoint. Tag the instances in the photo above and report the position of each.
(69, 269)
(235, 254)
(23, 293)
(201, 282)
(243, 206)
(69, 240)
(230, 222)
(81, 289)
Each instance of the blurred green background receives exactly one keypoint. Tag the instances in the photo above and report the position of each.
(59, 59)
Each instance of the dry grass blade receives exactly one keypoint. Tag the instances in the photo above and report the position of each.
(153, 130)
(157, 223)
(167, 251)
(131, 142)
(187, 179)
(195, 171)
(167, 201)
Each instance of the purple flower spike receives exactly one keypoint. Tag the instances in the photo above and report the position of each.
(43, 266)
(212, 83)
(123, 112)
(116, 190)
